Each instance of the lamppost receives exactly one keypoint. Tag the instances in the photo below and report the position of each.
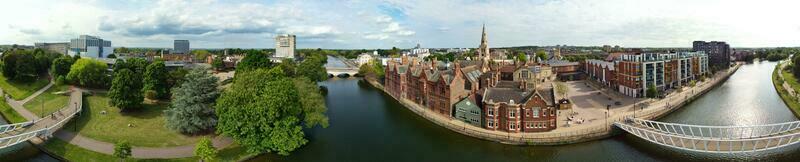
(607, 109)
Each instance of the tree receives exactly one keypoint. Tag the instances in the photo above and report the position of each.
(313, 68)
(88, 72)
(122, 150)
(155, 79)
(796, 67)
(176, 77)
(121, 50)
(289, 67)
(266, 96)
(111, 56)
(125, 92)
(218, 64)
(521, 57)
(10, 64)
(253, 60)
(26, 68)
(61, 66)
(541, 55)
(205, 150)
(201, 54)
(652, 92)
(312, 103)
(192, 107)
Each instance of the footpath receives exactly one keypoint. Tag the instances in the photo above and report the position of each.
(586, 132)
(219, 142)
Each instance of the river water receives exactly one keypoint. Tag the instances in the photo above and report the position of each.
(367, 125)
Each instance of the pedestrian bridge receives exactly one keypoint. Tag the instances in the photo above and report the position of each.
(714, 139)
(12, 134)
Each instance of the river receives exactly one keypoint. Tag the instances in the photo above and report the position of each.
(367, 125)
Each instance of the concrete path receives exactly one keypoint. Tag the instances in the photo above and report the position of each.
(219, 142)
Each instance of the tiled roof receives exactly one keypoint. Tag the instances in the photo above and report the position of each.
(547, 95)
(505, 95)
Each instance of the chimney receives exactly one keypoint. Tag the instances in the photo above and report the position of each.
(404, 60)
(433, 64)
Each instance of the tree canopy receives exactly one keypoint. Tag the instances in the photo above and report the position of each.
(205, 149)
(88, 72)
(313, 67)
(155, 79)
(253, 60)
(192, 107)
(125, 92)
(122, 150)
(262, 111)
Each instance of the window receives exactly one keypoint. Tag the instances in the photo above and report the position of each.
(536, 112)
(527, 113)
(512, 113)
(491, 112)
(512, 126)
(490, 124)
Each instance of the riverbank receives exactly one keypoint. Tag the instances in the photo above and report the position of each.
(588, 132)
(784, 87)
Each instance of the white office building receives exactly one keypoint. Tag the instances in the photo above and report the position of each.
(90, 46)
(181, 47)
(285, 46)
(365, 58)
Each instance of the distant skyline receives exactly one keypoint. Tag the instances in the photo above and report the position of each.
(357, 24)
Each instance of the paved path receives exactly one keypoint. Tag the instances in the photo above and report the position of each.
(219, 142)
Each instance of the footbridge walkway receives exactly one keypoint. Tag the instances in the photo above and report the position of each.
(714, 139)
(12, 134)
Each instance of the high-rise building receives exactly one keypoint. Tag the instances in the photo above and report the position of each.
(719, 53)
(181, 46)
(285, 46)
(90, 46)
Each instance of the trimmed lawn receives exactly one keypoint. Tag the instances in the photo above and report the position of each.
(9, 114)
(52, 102)
(148, 124)
(19, 91)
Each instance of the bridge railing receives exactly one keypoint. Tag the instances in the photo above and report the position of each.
(719, 132)
(12, 127)
(709, 144)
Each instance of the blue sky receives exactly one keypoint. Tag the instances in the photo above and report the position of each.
(404, 23)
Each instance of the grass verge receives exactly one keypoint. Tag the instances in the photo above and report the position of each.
(52, 102)
(790, 101)
(18, 90)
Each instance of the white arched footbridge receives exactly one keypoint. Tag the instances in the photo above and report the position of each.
(714, 139)
(12, 134)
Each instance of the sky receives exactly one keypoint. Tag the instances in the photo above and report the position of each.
(369, 24)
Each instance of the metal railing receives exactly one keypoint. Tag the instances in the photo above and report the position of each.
(711, 145)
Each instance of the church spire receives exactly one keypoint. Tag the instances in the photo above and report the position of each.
(483, 50)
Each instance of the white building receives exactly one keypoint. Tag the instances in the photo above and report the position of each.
(365, 58)
(90, 46)
(181, 46)
(285, 46)
(418, 52)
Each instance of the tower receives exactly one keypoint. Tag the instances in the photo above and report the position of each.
(483, 50)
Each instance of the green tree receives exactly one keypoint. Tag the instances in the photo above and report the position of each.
(122, 50)
(88, 72)
(155, 79)
(218, 64)
(192, 107)
(125, 92)
(313, 68)
(10, 64)
(289, 67)
(541, 55)
(122, 150)
(795, 66)
(111, 56)
(253, 60)
(652, 92)
(176, 77)
(266, 96)
(61, 66)
(312, 103)
(205, 150)
(201, 54)
(521, 57)
(26, 68)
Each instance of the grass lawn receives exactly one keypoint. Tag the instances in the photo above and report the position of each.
(790, 101)
(52, 102)
(19, 91)
(148, 124)
(9, 114)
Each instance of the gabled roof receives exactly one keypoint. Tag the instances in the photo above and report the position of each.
(506, 95)
(469, 103)
(547, 95)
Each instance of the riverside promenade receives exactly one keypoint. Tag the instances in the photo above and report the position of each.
(574, 134)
